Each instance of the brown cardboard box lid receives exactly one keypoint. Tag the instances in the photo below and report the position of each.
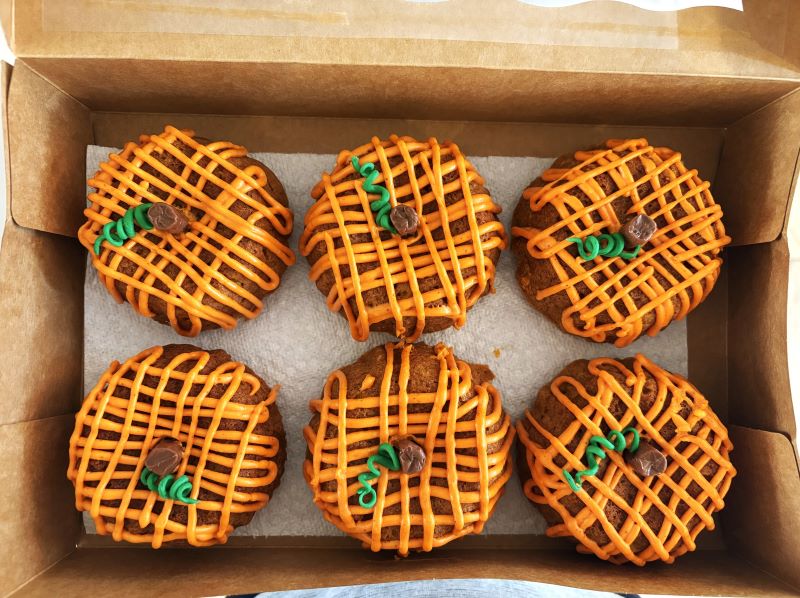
(505, 34)
(773, 25)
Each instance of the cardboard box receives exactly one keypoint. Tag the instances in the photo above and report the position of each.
(290, 79)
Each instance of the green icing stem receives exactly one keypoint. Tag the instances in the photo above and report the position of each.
(381, 207)
(591, 247)
(385, 456)
(596, 452)
(168, 487)
(116, 233)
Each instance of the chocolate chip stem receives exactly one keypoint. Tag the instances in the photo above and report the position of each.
(165, 457)
(647, 460)
(167, 218)
(638, 230)
(411, 455)
(405, 220)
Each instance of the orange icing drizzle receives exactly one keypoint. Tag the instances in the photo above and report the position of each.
(116, 191)
(684, 466)
(237, 451)
(443, 434)
(342, 210)
(691, 268)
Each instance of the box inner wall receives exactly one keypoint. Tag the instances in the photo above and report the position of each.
(701, 147)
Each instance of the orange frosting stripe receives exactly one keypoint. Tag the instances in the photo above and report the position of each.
(700, 439)
(685, 251)
(455, 452)
(117, 191)
(237, 451)
(342, 210)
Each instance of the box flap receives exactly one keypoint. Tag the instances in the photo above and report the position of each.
(500, 34)
(761, 519)
(41, 307)
(700, 146)
(758, 171)
(758, 376)
(406, 91)
(40, 524)
(48, 132)
(773, 24)
(220, 571)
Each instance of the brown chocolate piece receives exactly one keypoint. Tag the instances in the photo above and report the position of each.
(412, 456)
(647, 460)
(167, 218)
(165, 457)
(638, 230)
(404, 219)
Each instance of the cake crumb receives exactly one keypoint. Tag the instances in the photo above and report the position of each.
(496, 352)
(368, 381)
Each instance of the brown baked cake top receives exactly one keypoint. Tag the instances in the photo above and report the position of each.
(591, 197)
(642, 503)
(176, 444)
(412, 397)
(403, 237)
(190, 232)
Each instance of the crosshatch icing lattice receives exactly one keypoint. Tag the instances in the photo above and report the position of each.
(425, 282)
(640, 519)
(616, 299)
(456, 417)
(224, 416)
(233, 252)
